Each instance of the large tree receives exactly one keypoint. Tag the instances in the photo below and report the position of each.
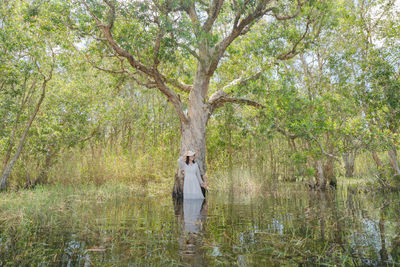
(177, 47)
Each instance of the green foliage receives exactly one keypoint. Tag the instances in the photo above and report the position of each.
(336, 92)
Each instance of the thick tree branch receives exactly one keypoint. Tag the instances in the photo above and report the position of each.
(237, 100)
(212, 14)
(172, 96)
(157, 45)
(323, 150)
(223, 92)
(191, 11)
(238, 27)
(150, 72)
(222, 96)
(178, 84)
(238, 12)
(111, 14)
(242, 27)
(106, 30)
(148, 84)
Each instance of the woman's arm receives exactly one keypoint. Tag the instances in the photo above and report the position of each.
(181, 163)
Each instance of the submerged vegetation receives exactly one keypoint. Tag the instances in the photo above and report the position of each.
(116, 224)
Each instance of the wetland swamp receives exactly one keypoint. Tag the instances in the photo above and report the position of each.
(116, 225)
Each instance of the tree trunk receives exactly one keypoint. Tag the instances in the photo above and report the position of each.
(393, 160)
(349, 159)
(10, 165)
(329, 172)
(377, 159)
(192, 138)
(14, 130)
(193, 134)
(43, 174)
(383, 251)
(321, 181)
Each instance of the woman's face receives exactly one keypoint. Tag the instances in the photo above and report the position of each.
(191, 158)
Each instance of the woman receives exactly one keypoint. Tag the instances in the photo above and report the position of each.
(192, 182)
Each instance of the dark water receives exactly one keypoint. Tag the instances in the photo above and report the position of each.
(286, 225)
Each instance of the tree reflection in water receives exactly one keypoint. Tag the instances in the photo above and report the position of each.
(191, 215)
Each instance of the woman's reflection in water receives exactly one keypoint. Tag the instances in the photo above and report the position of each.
(191, 215)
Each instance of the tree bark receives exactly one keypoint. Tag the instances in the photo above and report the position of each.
(193, 137)
(377, 159)
(329, 166)
(329, 172)
(383, 251)
(193, 128)
(24, 100)
(393, 160)
(321, 181)
(349, 159)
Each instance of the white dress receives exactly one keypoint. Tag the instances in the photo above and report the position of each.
(192, 180)
(192, 214)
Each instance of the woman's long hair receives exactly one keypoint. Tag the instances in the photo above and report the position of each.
(187, 160)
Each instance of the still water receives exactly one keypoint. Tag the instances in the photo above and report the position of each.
(286, 225)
